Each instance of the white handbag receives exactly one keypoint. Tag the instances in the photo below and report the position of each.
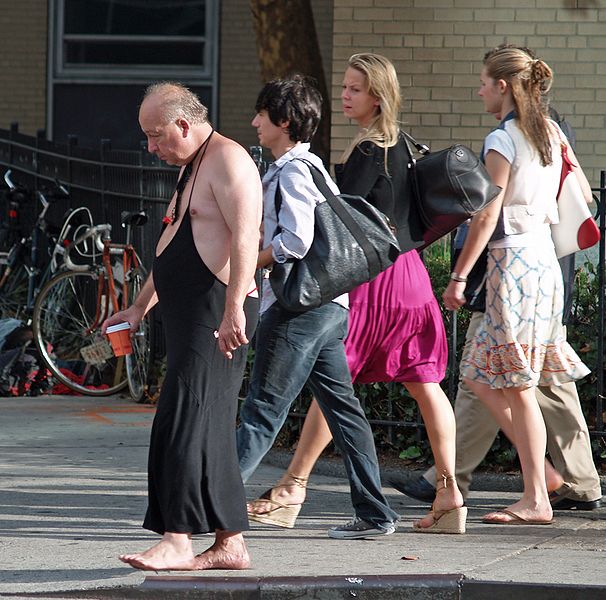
(577, 229)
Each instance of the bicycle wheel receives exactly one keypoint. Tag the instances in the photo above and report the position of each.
(75, 351)
(137, 363)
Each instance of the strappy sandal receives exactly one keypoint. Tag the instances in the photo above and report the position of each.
(444, 521)
(281, 515)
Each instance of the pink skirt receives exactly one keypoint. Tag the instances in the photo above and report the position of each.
(396, 331)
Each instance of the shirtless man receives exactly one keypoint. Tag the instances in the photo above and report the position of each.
(203, 279)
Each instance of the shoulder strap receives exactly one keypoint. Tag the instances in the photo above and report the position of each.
(412, 164)
(277, 205)
(319, 180)
(278, 197)
(567, 164)
(420, 148)
(371, 253)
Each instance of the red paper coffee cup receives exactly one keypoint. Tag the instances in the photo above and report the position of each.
(119, 337)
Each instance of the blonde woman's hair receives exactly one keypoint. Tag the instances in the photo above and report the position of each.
(381, 83)
(529, 79)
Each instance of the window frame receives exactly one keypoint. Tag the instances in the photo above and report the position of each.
(95, 71)
(205, 75)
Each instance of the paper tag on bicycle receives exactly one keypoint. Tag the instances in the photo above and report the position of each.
(97, 353)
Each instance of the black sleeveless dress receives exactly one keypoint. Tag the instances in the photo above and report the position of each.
(194, 478)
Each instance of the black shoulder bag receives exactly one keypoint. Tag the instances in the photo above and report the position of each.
(353, 242)
(449, 187)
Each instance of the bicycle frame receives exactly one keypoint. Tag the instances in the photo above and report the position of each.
(129, 260)
(72, 306)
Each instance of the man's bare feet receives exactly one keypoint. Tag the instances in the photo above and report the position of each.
(173, 553)
(228, 552)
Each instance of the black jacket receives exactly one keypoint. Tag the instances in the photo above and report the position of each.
(388, 189)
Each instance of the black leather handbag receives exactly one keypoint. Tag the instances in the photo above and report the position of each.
(449, 187)
(353, 242)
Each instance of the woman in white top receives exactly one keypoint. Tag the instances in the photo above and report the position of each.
(521, 342)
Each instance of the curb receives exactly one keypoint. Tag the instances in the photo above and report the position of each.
(498, 590)
(368, 587)
(364, 587)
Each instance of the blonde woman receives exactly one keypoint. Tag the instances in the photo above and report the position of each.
(396, 332)
(520, 344)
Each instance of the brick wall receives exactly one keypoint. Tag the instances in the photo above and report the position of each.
(437, 48)
(23, 64)
(239, 73)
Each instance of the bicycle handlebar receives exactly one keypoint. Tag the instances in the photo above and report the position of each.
(99, 233)
(18, 193)
(8, 180)
(45, 204)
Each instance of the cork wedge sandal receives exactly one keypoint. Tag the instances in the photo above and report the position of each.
(279, 514)
(444, 521)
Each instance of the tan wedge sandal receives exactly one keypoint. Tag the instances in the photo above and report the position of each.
(281, 515)
(444, 521)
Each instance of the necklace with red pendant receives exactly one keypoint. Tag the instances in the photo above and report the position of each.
(185, 175)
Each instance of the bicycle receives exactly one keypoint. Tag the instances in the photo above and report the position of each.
(71, 307)
(28, 261)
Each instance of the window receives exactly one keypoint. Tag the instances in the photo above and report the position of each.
(133, 36)
(103, 53)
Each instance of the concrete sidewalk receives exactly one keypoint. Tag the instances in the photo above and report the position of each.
(73, 494)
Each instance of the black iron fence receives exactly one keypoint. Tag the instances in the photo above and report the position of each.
(599, 400)
(106, 180)
(111, 181)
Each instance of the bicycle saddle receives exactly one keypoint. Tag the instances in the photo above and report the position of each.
(134, 219)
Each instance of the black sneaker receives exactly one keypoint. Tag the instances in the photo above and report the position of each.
(359, 528)
(420, 489)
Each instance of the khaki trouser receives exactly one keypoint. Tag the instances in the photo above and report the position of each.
(568, 441)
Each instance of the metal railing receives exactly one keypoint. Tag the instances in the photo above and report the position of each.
(108, 181)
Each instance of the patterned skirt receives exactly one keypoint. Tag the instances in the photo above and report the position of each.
(521, 341)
